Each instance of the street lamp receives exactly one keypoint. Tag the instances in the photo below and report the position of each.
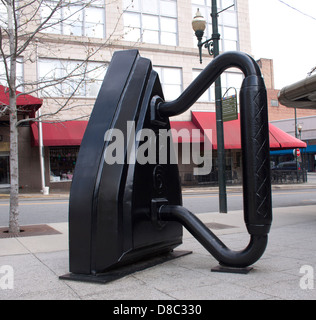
(299, 128)
(303, 159)
(199, 26)
(212, 44)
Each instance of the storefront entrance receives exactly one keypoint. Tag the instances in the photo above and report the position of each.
(4, 170)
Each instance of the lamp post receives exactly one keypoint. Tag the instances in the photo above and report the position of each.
(199, 25)
(299, 128)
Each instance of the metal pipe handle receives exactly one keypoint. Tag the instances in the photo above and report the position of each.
(205, 79)
(225, 256)
(255, 158)
(254, 132)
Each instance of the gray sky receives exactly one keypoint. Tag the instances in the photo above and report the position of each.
(285, 35)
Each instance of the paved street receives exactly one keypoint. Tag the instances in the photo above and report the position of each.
(201, 202)
(35, 210)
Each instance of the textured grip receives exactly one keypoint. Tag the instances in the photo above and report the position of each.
(255, 155)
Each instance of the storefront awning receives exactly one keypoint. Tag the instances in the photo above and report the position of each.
(68, 133)
(282, 140)
(278, 138)
(183, 132)
(207, 120)
(71, 133)
(24, 102)
(309, 149)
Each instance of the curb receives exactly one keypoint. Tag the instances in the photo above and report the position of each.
(185, 190)
(37, 196)
(240, 188)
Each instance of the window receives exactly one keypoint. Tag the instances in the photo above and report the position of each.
(62, 163)
(3, 16)
(209, 94)
(231, 80)
(228, 80)
(69, 77)
(171, 81)
(19, 73)
(274, 103)
(4, 168)
(230, 37)
(227, 22)
(151, 21)
(82, 18)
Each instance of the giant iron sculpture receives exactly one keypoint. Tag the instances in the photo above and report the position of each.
(123, 214)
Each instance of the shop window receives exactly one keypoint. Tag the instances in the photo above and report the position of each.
(62, 163)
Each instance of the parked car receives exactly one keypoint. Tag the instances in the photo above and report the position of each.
(289, 165)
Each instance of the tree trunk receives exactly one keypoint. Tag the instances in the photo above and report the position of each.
(14, 170)
(14, 160)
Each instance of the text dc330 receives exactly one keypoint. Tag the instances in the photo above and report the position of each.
(159, 309)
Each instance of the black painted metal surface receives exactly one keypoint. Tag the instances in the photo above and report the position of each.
(254, 132)
(125, 212)
(109, 206)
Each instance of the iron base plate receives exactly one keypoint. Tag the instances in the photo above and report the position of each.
(225, 269)
(121, 272)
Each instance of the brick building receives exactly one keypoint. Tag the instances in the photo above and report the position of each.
(160, 29)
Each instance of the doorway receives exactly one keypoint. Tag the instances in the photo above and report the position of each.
(4, 170)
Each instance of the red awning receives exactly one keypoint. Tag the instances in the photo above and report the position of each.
(207, 120)
(71, 133)
(278, 138)
(68, 133)
(182, 132)
(282, 140)
(24, 102)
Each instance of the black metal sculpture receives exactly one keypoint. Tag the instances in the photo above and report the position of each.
(127, 212)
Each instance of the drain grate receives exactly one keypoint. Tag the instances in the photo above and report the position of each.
(28, 231)
(218, 226)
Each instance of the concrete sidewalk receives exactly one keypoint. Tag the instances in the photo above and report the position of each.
(38, 261)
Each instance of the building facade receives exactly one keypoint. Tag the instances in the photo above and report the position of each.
(77, 48)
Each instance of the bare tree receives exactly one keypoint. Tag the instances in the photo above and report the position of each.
(25, 27)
